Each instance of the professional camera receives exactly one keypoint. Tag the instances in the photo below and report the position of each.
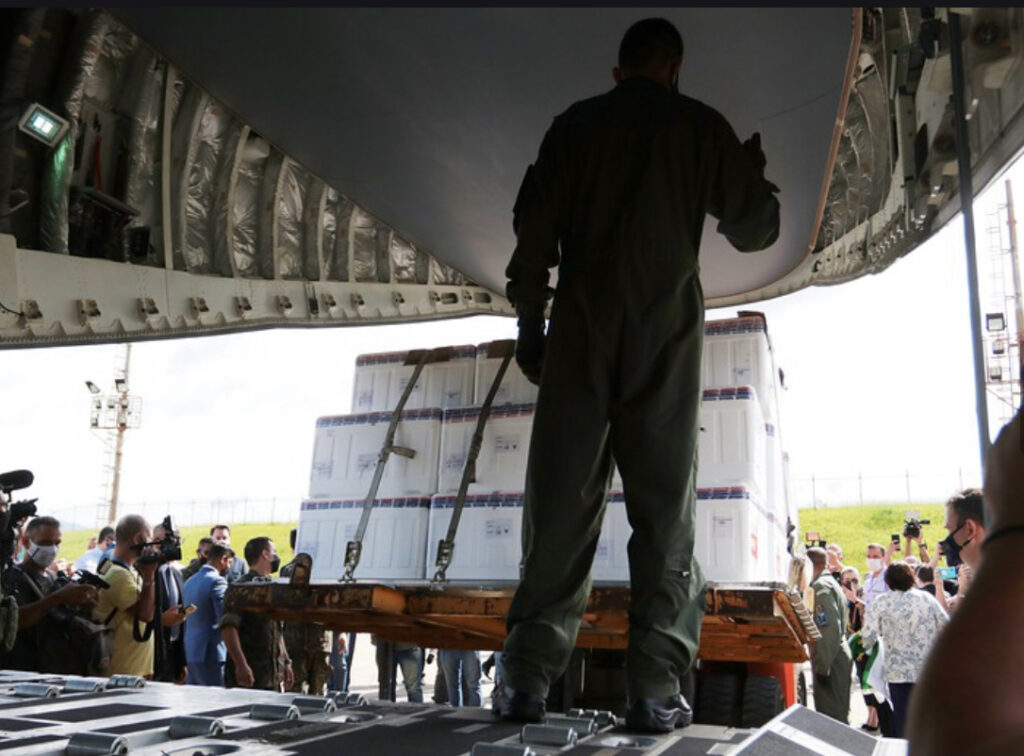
(13, 513)
(912, 524)
(168, 549)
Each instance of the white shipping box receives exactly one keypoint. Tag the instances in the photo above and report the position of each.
(732, 449)
(488, 543)
(446, 381)
(737, 353)
(501, 465)
(514, 388)
(775, 481)
(347, 447)
(611, 559)
(394, 547)
(734, 536)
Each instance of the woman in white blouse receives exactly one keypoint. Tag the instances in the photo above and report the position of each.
(908, 620)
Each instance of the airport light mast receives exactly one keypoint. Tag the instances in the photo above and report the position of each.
(110, 416)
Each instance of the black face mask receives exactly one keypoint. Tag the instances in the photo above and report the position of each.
(952, 549)
(275, 563)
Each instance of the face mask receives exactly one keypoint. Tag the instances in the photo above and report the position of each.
(952, 549)
(275, 563)
(874, 565)
(43, 556)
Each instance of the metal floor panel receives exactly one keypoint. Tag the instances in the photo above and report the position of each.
(142, 717)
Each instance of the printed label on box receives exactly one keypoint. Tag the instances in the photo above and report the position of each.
(453, 398)
(366, 462)
(505, 444)
(365, 399)
(497, 528)
(722, 527)
(454, 462)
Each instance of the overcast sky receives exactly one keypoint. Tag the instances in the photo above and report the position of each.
(879, 378)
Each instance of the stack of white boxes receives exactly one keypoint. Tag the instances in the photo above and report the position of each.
(742, 503)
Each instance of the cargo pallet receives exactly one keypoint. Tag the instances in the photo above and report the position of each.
(752, 639)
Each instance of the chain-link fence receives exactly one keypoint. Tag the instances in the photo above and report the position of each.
(186, 513)
(861, 489)
(813, 492)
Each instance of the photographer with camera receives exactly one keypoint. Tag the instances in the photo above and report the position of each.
(40, 644)
(129, 605)
(169, 651)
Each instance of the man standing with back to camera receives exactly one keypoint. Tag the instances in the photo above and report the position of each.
(617, 199)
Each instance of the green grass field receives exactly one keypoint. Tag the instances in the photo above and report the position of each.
(854, 528)
(851, 527)
(73, 543)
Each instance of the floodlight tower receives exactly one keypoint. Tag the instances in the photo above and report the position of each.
(113, 414)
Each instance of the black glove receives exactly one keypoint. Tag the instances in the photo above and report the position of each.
(753, 149)
(530, 347)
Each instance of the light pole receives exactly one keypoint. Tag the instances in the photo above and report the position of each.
(114, 413)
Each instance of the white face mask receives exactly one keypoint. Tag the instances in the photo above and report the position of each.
(874, 565)
(43, 556)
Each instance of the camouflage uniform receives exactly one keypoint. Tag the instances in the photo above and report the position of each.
(309, 647)
(260, 638)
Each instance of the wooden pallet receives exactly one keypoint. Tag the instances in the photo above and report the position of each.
(748, 622)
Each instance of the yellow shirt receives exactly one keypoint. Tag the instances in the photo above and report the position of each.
(129, 657)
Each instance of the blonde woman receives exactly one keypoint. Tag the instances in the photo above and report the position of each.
(800, 579)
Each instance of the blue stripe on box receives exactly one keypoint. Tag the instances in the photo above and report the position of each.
(463, 351)
(480, 501)
(374, 418)
(403, 503)
(734, 326)
(505, 411)
(729, 394)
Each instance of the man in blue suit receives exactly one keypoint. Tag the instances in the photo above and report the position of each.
(205, 651)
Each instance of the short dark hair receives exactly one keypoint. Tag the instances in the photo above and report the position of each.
(818, 557)
(41, 522)
(220, 527)
(204, 541)
(255, 548)
(925, 573)
(899, 576)
(105, 532)
(650, 41)
(968, 504)
(217, 551)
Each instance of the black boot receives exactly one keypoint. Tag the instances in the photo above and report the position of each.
(658, 714)
(515, 706)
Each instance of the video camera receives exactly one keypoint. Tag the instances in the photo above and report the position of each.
(83, 577)
(168, 548)
(814, 539)
(13, 513)
(912, 524)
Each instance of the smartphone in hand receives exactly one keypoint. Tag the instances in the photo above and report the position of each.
(186, 610)
(947, 573)
(896, 540)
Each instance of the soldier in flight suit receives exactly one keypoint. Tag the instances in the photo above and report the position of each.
(831, 660)
(617, 199)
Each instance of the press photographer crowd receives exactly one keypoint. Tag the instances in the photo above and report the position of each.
(895, 634)
(130, 606)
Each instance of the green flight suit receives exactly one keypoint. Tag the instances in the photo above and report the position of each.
(617, 199)
(831, 660)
